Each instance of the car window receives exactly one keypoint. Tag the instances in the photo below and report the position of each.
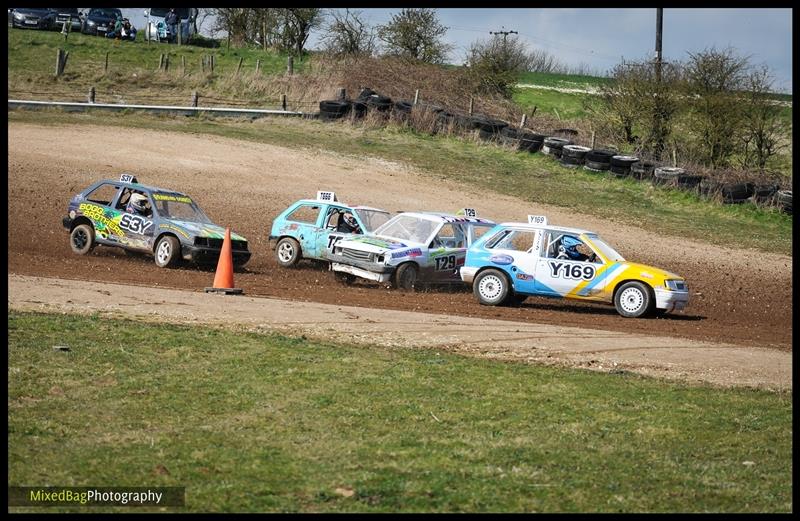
(333, 217)
(478, 230)
(103, 194)
(305, 213)
(516, 240)
(568, 246)
(450, 236)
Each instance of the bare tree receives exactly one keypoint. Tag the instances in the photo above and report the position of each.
(415, 34)
(763, 128)
(297, 24)
(496, 63)
(543, 61)
(348, 34)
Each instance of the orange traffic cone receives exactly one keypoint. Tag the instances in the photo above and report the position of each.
(223, 278)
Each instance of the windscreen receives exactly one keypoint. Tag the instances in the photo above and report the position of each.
(607, 251)
(372, 219)
(110, 13)
(179, 207)
(161, 12)
(407, 228)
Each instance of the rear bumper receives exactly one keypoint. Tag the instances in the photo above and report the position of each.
(359, 272)
(671, 300)
(204, 255)
(372, 267)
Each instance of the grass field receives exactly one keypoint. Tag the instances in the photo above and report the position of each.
(253, 422)
(564, 105)
(574, 81)
(533, 177)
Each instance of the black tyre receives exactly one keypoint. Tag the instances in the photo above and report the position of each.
(623, 161)
(573, 155)
(405, 277)
(530, 145)
(379, 103)
(517, 299)
(365, 93)
(335, 106)
(599, 155)
(596, 166)
(736, 193)
(566, 132)
(491, 288)
(784, 200)
(167, 252)
(634, 299)
(359, 109)
(709, 187)
(81, 239)
(689, 182)
(403, 107)
(667, 175)
(287, 252)
(642, 169)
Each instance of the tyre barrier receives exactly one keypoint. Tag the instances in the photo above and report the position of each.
(359, 109)
(765, 194)
(620, 166)
(379, 103)
(523, 140)
(689, 182)
(334, 109)
(667, 175)
(598, 160)
(572, 156)
(566, 132)
(709, 187)
(737, 193)
(643, 169)
(784, 200)
(553, 145)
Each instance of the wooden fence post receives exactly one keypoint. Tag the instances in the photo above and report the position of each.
(59, 54)
(557, 114)
(416, 96)
(239, 66)
(342, 94)
(161, 61)
(258, 65)
(105, 67)
(179, 35)
(195, 98)
(290, 65)
(593, 139)
(524, 120)
(183, 65)
(91, 94)
(534, 110)
(213, 62)
(674, 157)
(283, 101)
(471, 105)
(166, 62)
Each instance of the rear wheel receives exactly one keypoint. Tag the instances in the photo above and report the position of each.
(288, 252)
(81, 239)
(168, 251)
(634, 299)
(491, 288)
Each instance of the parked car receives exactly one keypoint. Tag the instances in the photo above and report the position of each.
(515, 260)
(308, 228)
(67, 14)
(170, 226)
(410, 248)
(100, 20)
(156, 26)
(32, 17)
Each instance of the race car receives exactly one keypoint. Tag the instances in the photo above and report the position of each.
(308, 227)
(147, 219)
(410, 248)
(516, 260)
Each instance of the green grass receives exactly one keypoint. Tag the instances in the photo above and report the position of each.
(532, 177)
(254, 422)
(574, 81)
(564, 105)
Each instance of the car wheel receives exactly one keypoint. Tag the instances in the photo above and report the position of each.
(168, 251)
(345, 278)
(406, 276)
(287, 252)
(634, 299)
(491, 288)
(81, 240)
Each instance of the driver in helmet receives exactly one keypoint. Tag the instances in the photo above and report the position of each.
(568, 249)
(348, 224)
(138, 205)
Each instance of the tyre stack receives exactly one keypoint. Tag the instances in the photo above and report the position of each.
(598, 160)
(489, 129)
(643, 170)
(620, 166)
(402, 109)
(709, 187)
(667, 175)
(573, 156)
(552, 146)
(334, 109)
(737, 193)
(521, 139)
(689, 182)
(784, 200)
(765, 194)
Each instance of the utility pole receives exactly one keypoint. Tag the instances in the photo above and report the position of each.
(659, 27)
(504, 33)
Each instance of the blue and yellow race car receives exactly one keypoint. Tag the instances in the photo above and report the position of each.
(515, 260)
(309, 228)
(147, 219)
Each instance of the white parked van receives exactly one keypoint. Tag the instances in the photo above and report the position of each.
(157, 29)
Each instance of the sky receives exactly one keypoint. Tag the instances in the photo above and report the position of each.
(601, 38)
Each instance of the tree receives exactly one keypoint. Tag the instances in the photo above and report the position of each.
(496, 63)
(297, 24)
(348, 34)
(714, 80)
(415, 34)
(763, 127)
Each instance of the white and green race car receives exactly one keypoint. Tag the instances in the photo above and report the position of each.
(410, 248)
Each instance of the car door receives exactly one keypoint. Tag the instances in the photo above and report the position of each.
(138, 230)
(566, 276)
(305, 222)
(516, 252)
(448, 250)
(326, 234)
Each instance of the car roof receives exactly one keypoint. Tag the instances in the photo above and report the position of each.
(369, 208)
(447, 217)
(562, 229)
(139, 186)
(338, 203)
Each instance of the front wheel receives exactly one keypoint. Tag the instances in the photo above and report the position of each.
(81, 239)
(491, 288)
(406, 276)
(288, 252)
(168, 251)
(634, 299)
(345, 278)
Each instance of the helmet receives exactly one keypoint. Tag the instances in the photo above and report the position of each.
(138, 202)
(350, 221)
(569, 245)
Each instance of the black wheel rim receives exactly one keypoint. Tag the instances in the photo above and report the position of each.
(80, 239)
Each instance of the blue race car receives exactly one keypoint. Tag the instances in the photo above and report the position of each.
(147, 219)
(309, 228)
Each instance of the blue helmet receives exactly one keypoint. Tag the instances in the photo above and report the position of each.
(569, 245)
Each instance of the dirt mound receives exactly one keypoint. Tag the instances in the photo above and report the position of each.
(738, 296)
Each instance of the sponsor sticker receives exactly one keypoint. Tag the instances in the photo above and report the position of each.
(502, 259)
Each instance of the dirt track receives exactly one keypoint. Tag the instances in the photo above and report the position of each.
(738, 296)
